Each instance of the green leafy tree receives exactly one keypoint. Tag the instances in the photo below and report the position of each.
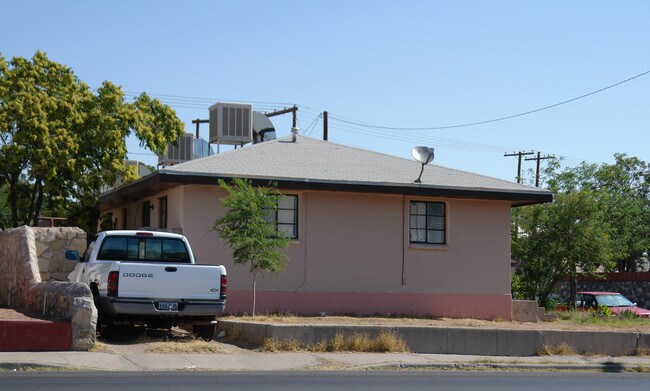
(622, 191)
(553, 240)
(613, 199)
(5, 212)
(61, 142)
(249, 230)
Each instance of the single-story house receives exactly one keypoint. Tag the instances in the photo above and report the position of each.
(366, 239)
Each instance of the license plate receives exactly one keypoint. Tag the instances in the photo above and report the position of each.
(167, 306)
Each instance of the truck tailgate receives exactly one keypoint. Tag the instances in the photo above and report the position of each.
(169, 281)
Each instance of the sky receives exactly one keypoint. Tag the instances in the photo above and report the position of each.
(379, 68)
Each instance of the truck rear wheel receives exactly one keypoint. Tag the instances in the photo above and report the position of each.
(205, 332)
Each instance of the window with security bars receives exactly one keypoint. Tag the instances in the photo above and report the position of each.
(427, 222)
(286, 216)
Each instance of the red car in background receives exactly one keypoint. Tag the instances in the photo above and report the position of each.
(615, 301)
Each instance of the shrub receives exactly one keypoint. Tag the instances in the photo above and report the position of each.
(601, 312)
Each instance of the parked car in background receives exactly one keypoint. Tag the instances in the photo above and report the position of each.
(615, 301)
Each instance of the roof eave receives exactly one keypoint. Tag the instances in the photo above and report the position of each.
(161, 181)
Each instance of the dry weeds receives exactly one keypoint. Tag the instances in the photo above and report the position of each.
(642, 352)
(563, 349)
(358, 342)
(191, 346)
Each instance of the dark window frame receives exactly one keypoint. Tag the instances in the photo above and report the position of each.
(146, 213)
(124, 218)
(427, 228)
(162, 212)
(273, 217)
(294, 223)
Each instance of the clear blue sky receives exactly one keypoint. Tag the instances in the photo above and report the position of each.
(390, 63)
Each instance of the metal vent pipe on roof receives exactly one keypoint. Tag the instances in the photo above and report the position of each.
(294, 134)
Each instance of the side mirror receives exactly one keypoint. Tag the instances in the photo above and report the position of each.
(72, 255)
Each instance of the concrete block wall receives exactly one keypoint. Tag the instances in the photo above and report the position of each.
(524, 311)
(21, 284)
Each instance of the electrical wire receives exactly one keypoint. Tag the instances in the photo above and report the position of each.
(342, 119)
(378, 131)
(311, 126)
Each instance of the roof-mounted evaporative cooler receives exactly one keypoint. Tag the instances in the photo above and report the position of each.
(231, 123)
(179, 151)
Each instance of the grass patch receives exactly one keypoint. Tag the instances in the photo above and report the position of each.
(563, 349)
(358, 342)
(603, 319)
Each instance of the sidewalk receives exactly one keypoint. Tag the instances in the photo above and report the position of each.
(256, 361)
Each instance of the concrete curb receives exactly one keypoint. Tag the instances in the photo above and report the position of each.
(33, 367)
(458, 340)
(301, 361)
(611, 367)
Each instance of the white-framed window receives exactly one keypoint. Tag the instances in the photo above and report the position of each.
(427, 222)
(286, 216)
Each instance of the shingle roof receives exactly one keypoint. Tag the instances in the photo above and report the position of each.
(311, 160)
(314, 164)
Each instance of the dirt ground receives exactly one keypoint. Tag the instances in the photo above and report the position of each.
(12, 314)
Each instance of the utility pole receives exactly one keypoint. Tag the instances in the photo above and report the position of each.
(539, 158)
(292, 110)
(198, 122)
(325, 126)
(519, 156)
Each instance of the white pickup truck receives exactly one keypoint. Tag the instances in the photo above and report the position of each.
(146, 277)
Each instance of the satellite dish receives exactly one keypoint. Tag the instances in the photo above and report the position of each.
(262, 128)
(423, 155)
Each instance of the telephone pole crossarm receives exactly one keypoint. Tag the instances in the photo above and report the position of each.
(539, 158)
(519, 156)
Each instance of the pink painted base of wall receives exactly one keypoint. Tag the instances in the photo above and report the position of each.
(373, 303)
(34, 335)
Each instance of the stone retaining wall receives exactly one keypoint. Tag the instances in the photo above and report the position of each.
(21, 284)
(51, 244)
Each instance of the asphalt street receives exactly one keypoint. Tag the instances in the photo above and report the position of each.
(319, 380)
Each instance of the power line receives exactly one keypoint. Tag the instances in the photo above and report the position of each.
(311, 126)
(500, 118)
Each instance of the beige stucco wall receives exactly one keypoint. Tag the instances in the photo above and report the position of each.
(358, 244)
(134, 211)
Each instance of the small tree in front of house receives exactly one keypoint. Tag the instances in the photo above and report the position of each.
(249, 228)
